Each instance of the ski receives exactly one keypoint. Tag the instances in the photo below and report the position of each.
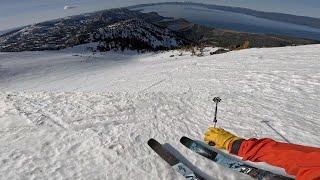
(173, 161)
(230, 162)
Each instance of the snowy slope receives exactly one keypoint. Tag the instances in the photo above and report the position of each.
(72, 115)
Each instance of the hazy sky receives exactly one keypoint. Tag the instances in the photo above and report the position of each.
(15, 13)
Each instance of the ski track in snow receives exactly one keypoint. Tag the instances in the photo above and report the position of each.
(66, 115)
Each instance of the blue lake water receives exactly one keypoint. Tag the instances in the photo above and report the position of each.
(234, 21)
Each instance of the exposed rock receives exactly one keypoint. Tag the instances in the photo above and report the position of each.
(219, 51)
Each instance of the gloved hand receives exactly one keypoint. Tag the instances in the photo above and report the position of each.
(220, 137)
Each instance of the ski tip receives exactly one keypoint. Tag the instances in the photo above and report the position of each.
(185, 140)
(152, 142)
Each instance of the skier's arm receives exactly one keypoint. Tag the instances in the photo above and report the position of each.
(300, 161)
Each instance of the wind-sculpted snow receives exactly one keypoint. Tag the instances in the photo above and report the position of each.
(72, 115)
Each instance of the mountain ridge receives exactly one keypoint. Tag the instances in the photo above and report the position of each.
(71, 31)
(135, 31)
(135, 34)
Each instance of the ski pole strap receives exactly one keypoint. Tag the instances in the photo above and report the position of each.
(236, 146)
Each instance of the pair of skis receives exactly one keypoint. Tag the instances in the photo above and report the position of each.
(214, 155)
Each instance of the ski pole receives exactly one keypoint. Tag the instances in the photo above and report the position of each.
(216, 100)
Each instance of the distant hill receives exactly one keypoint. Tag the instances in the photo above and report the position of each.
(228, 38)
(114, 27)
(134, 34)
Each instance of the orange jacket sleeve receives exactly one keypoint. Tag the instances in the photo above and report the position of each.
(300, 161)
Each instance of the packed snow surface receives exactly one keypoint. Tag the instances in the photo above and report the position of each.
(77, 115)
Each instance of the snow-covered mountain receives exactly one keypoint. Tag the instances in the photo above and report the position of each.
(74, 30)
(134, 34)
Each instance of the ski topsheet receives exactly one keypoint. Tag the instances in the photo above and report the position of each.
(229, 162)
(173, 161)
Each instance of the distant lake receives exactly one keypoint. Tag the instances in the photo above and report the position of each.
(3, 32)
(8, 30)
(234, 21)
